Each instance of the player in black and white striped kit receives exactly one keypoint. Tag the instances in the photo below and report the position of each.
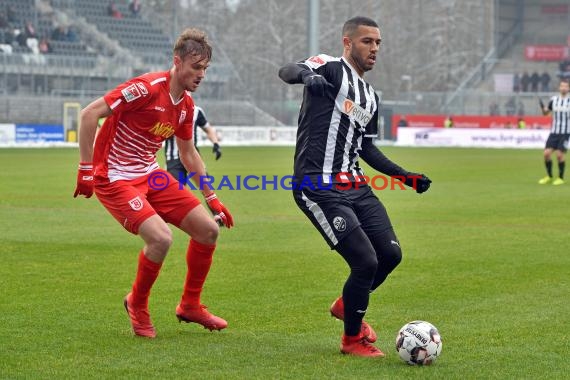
(173, 164)
(559, 107)
(337, 125)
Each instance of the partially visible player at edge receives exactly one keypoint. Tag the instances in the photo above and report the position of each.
(173, 164)
(559, 106)
(338, 122)
(120, 166)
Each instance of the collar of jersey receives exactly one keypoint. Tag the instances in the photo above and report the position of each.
(354, 72)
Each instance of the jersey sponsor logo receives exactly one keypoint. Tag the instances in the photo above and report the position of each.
(182, 117)
(136, 204)
(339, 223)
(142, 88)
(162, 129)
(356, 112)
(131, 93)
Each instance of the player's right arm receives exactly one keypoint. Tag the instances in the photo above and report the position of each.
(87, 129)
(546, 111)
(294, 73)
(90, 116)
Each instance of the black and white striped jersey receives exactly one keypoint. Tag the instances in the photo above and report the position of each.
(170, 147)
(332, 127)
(560, 108)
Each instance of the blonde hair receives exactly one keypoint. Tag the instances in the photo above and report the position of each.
(193, 42)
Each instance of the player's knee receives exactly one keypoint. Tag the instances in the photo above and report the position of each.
(393, 257)
(161, 241)
(209, 233)
(367, 268)
(547, 154)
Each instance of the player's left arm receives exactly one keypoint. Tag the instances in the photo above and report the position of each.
(212, 135)
(193, 163)
(378, 161)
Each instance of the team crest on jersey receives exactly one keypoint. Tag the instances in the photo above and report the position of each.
(339, 223)
(131, 93)
(136, 203)
(356, 112)
(182, 117)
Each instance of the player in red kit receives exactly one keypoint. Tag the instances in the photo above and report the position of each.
(120, 166)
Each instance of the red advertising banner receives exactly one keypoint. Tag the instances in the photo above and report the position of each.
(554, 9)
(469, 121)
(545, 52)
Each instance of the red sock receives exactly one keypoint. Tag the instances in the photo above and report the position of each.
(199, 260)
(147, 273)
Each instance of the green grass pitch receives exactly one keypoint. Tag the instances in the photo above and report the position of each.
(486, 259)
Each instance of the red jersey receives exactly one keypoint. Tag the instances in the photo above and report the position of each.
(144, 115)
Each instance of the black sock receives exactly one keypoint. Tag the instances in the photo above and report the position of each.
(548, 165)
(360, 256)
(561, 166)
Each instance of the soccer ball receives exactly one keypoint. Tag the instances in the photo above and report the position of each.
(418, 343)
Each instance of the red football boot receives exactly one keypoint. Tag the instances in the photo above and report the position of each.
(140, 319)
(201, 316)
(359, 346)
(337, 311)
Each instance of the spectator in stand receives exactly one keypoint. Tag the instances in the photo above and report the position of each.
(516, 83)
(545, 81)
(534, 81)
(494, 109)
(520, 108)
(403, 122)
(510, 106)
(521, 124)
(3, 20)
(135, 7)
(30, 30)
(525, 81)
(71, 35)
(11, 15)
(448, 122)
(44, 46)
(564, 67)
(113, 11)
(59, 33)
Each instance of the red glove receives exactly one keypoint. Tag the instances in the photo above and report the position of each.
(84, 180)
(221, 213)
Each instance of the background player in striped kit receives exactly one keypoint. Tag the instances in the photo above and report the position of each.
(338, 121)
(173, 164)
(120, 166)
(559, 107)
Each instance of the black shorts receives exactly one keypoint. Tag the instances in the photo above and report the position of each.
(176, 169)
(557, 142)
(336, 213)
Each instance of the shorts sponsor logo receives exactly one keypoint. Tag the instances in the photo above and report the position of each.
(339, 223)
(136, 203)
(356, 112)
(131, 93)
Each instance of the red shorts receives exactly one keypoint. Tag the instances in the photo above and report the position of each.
(132, 202)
